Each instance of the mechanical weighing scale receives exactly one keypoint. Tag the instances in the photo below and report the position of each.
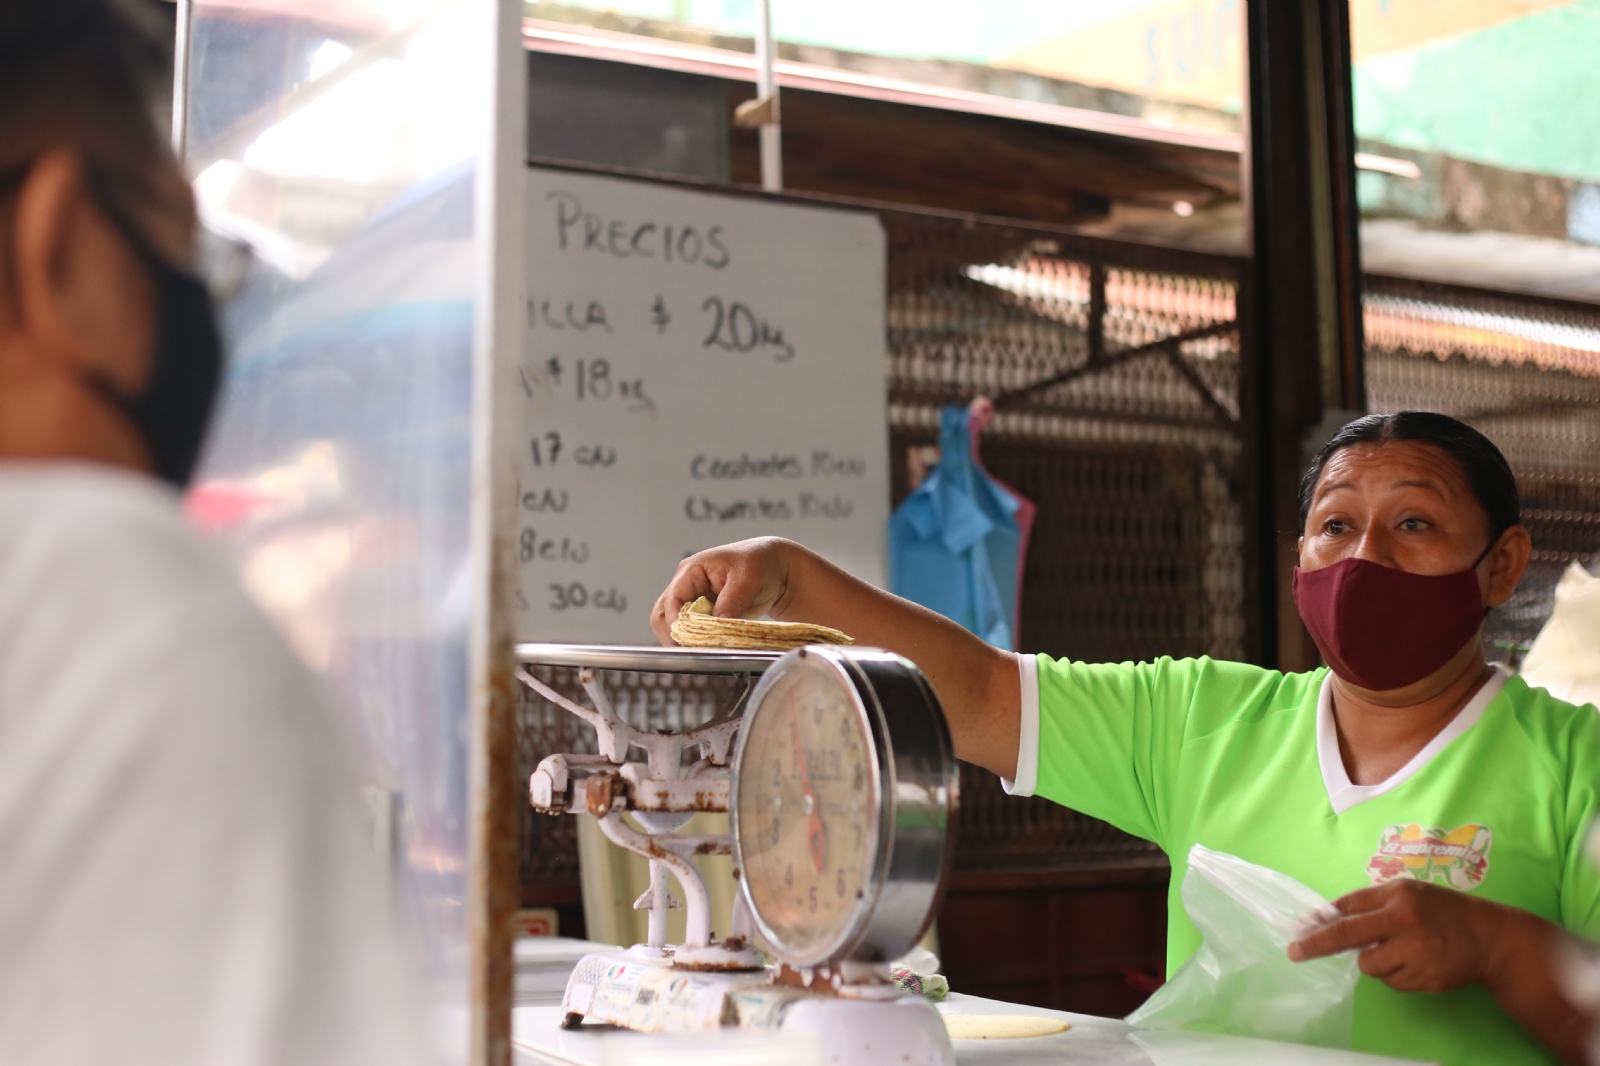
(838, 774)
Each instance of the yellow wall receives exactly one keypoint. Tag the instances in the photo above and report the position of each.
(614, 878)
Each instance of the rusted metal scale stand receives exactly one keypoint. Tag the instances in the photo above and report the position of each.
(661, 792)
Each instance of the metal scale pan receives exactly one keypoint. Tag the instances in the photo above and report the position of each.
(646, 659)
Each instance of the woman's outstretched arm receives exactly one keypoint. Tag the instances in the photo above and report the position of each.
(976, 682)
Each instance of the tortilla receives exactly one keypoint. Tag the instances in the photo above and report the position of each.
(1001, 1026)
(696, 627)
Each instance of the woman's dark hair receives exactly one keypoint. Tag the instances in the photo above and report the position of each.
(1488, 474)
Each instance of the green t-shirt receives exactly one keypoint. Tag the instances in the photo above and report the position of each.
(1228, 755)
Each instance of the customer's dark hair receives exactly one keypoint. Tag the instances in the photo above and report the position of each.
(1487, 472)
(84, 75)
(80, 73)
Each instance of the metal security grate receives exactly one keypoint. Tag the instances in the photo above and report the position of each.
(1115, 370)
(997, 831)
(1526, 372)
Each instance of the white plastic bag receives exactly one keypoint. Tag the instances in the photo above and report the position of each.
(1241, 980)
(1565, 657)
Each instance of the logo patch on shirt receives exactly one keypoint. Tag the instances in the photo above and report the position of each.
(1458, 858)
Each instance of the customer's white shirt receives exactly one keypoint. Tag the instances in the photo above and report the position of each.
(183, 877)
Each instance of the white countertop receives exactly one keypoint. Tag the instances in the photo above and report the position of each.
(537, 1038)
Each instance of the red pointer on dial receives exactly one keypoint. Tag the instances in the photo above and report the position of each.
(814, 831)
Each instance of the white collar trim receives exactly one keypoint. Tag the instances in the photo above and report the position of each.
(1341, 793)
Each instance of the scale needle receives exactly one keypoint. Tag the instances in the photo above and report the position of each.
(814, 831)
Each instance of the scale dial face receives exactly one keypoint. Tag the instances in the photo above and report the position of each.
(806, 815)
(844, 784)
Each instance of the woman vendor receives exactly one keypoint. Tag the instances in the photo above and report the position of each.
(1442, 803)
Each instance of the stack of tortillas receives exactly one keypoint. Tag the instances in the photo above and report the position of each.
(696, 627)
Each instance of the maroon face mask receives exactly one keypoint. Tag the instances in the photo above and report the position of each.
(1384, 629)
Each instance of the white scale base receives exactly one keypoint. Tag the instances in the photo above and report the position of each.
(638, 989)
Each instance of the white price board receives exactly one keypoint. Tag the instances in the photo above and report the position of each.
(696, 369)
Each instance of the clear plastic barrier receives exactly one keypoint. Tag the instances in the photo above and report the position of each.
(339, 139)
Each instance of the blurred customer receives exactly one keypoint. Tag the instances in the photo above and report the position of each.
(182, 872)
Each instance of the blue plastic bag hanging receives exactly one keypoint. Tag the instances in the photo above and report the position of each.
(957, 544)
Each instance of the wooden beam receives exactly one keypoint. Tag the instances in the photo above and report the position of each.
(878, 150)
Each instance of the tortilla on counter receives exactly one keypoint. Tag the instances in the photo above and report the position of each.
(1001, 1026)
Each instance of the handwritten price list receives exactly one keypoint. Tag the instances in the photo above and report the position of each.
(696, 369)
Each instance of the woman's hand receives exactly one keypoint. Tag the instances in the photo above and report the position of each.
(1420, 937)
(1413, 936)
(747, 580)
